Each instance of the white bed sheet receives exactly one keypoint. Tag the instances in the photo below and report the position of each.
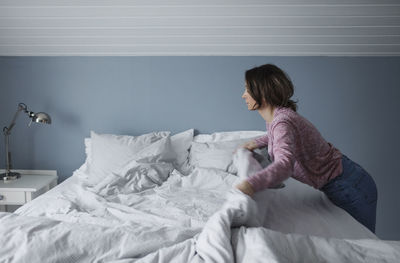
(296, 208)
(117, 222)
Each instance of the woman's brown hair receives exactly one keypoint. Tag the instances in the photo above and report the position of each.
(270, 84)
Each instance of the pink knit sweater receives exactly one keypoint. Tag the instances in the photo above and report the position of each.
(297, 150)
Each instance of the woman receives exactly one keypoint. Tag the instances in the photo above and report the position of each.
(298, 150)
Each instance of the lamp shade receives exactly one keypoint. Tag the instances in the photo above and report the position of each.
(41, 117)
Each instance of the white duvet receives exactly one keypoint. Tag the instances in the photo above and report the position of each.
(149, 212)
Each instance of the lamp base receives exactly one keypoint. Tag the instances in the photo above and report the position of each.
(10, 176)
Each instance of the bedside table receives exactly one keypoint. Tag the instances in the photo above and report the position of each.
(30, 185)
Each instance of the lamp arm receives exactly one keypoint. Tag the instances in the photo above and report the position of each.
(39, 117)
(21, 107)
(7, 133)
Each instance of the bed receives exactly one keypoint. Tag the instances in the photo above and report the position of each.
(159, 197)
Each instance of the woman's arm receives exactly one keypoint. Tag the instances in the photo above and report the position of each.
(261, 142)
(282, 166)
(256, 143)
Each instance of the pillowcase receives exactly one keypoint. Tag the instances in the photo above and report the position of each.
(227, 136)
(215, 154)
(157, 152)
(180, 143)
(150, 165)
(108, 153)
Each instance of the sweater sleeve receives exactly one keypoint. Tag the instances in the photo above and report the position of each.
(282, 166)
(262, 141)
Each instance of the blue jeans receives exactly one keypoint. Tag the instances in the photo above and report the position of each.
(355, 191)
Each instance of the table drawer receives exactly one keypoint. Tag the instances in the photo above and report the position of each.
(12, 197)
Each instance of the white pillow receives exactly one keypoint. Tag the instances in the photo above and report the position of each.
(122, 139)
(108, 152)
(150, 166)
(227, 136)
(157, 152)
(215, 154)
(180, 143)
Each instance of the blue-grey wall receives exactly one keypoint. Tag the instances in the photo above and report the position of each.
(352, 100)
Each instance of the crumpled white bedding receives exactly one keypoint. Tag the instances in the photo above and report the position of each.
(135, 216)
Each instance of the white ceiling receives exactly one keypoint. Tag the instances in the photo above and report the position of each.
(197, 28)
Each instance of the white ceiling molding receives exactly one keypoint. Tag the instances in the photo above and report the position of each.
(200, 28)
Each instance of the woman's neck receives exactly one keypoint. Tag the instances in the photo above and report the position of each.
(267, 113)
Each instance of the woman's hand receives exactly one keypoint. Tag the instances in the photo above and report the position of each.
(250, 145)
(246, 188)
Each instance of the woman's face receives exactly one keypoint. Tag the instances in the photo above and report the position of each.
(251, 103)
